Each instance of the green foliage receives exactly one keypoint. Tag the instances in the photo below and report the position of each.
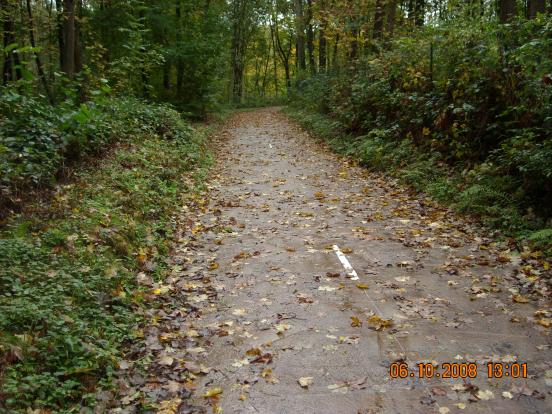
(460, 109)
(67, 275)
(37, 140)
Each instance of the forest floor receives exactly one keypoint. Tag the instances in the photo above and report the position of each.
(261, 315)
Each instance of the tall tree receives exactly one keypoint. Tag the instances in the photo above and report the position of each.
(38, 61)
(300, 27)
(378, 20)
(69, 38)
(535, 7)
(310, 38)
(322, 41)
(12, 63)
(506, 10)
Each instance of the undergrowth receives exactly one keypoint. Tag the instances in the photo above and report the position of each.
(477, 191)
(67, 271)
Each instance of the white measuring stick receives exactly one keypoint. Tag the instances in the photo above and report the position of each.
(343, 259)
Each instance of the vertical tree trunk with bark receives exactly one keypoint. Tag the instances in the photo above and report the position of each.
(38, 61)
(61, 42)
(274, 57)
(391, 16)
(506, 10)
(78, 44)
(310, 38)
(12, 64)
(420, 12)
(300, 26)
(69, 38)
(535, 7)
(378, 20)
(322, 47)
(179, 62)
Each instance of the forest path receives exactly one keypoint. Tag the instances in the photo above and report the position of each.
(273, 306)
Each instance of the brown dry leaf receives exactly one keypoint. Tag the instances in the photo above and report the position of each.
(378, 323)
(520, 299)
(319, 196)
(253, 352)
(262, 359)
(291, 249)
(166, 360)
(355, 322)
(305, 381)
(546, 322)
(346, 250)
(304, 298)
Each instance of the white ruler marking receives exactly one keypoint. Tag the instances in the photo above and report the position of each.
(345, 262)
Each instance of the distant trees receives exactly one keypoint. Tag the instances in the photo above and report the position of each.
(195, 52)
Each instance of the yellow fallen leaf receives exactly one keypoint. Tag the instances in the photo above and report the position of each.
(362, 286)
(213, 392)
(347, 250)
(378, 323)
(546, 322)
(520, 299)
(355, 322)
(242, 397)
(213, 266)
(305, 381)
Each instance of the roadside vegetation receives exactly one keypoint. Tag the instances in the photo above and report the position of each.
(97, 148)
(68, 266)
(461, 111)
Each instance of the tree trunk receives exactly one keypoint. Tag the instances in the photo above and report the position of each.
(179, 62)
(39, 67)
(506, 10)
(310, 38)
(274, 52)
(61, 42)
(300, 25)
(69, 38)
(322, 46)
(391, 15)
(78, 43)
(535, 7)
(11, 62)
(334, 56)
(378, 20)
(420, 12)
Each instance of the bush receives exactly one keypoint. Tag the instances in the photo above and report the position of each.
(37, 140)
(68, 294)
(461, 110)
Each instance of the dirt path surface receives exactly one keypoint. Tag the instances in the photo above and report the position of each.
(271, 321)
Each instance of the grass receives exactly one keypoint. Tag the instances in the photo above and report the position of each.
(68, 269)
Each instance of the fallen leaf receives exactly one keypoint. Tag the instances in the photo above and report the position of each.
(378, 323)
(362, 286)
(166, 360)
(305, 381)
(484, 395)
(355, 322)
(520, 299)
(213, 392)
